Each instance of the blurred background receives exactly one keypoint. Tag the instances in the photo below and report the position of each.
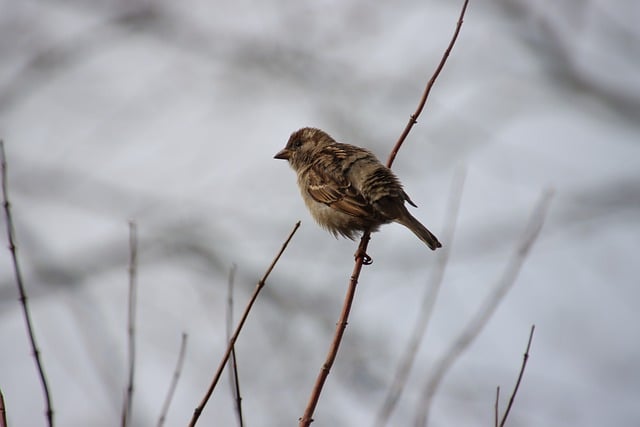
(169, 114)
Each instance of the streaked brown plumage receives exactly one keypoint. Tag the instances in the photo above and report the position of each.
(346, 188)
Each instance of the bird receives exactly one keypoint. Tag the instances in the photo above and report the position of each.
(347, 190)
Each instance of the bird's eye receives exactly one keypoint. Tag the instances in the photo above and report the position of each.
(297, 143)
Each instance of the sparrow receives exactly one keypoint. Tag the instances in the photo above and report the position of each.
(346, 188)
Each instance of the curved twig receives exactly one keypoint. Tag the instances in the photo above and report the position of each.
(21, 289)
(232, 342)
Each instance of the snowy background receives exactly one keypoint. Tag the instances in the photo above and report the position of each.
(169, 113)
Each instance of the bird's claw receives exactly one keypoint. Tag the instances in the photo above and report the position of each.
(366, 259)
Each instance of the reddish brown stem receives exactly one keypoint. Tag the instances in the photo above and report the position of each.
(232, 342)
(307, 418)
(3, 413)
(413, 119)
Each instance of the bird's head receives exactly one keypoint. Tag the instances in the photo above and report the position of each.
(303, 145)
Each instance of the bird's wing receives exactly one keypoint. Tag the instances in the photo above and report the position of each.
(328, 186)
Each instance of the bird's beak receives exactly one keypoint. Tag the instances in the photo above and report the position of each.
(283, 154)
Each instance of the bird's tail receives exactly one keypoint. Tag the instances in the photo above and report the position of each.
(419, 230)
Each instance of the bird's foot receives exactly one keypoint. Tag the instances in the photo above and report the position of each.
(366, 259)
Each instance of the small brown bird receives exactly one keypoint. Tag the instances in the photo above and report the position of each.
(346, 188)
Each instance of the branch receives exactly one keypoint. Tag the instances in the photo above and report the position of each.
(413, 119)
(496, 407)
(307, 419)
(198, 411)
(361, 257)
(174, 380)
(23, 295)
(3, 412)
(515, 390)
(428, 302)
(127, 406)
(477, 323)
(233, 373)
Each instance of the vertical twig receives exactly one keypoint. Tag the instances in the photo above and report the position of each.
(232, 342)
(3, 412)
(131, 319)
(174, 380)
(477, 323)
(233, 373)
(361, 253)
(515, 390)
(21, 289)
(428, 302)
(496, 407)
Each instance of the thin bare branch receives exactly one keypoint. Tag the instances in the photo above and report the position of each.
(174, 380)
(522, 368)
(428, 302)
(477, 322)
(307, 418)
(413, 119)
(21, 289)
(127, 406)
(3, 412)
(233, 373)
(496, 408)
(232, 342)
(361, 257)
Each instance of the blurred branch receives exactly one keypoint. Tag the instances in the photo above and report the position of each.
(20, 284)
(233, 373)
(496, 407)
(361, 257)
(174, 380)
(198, 411)
(133, 266)
(515, 390)
(477, 323)
(406, 363)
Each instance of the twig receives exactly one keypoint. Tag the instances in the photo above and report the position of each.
(21, 289)
(198, 411)
(496, 407)
(515, 390)
(477, 323)
(428, 302)
(307, 418)
(233, 373)
(174, 380)
(3, 412)
(361, 253)
(413, 119)
(127, 406)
